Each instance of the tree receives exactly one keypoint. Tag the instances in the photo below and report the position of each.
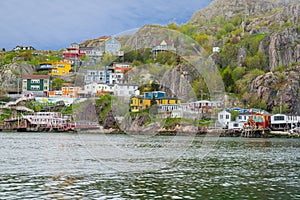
(202, 38)
(57, 83)
(108, 59)
(234, 114)
(238, 73)
(227, 78)
(229, 27)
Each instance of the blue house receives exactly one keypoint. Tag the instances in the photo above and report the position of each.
(98, 75)
(156, 94)
(112, 46)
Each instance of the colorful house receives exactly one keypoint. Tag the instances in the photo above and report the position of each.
(154, 94)
(39, 85)
(69, 90)
(73, 52)
(98, 75)
(112, 45)
(55, 94)
(138, 103)
(121, 67)
(56, 68)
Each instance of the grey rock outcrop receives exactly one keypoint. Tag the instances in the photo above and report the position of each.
(230, 8)
(11, 74)
(278, 88)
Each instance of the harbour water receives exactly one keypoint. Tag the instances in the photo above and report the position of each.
(99, 166)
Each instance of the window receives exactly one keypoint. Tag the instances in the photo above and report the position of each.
(35, 81)
(227, 116)
(278, 118)
(35, 87)
(221, 116)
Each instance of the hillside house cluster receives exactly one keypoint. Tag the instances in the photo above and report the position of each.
(107, 80)
(172, 106)
(255, 118)
(107, 44)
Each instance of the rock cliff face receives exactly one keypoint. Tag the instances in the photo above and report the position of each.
(278, 88)
(278, 20)
(9, 74)
(230, 8)
(284, 48)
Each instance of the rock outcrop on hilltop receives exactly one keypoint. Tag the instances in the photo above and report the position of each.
(230, 8)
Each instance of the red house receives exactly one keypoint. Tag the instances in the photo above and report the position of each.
(73, 52)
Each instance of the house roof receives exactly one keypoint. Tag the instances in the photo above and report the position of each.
(168, 42)
(104, 37)
(32, 76)
(169, 98)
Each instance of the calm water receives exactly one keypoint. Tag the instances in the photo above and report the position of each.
(95, 166)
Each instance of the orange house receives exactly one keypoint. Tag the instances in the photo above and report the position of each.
(121, 67)
(69, 90)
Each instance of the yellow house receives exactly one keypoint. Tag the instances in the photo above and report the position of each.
(168, 100)
(138, 103)
(146, 103)
(56, 68)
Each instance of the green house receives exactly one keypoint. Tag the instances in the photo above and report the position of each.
(40, 85)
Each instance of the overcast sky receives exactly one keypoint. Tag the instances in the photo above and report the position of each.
(54, 24)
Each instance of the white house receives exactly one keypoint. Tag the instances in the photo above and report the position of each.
(216, 49)
(96, 75)
(283, 122)
(224, 117)
(243, 117)
(23, 48)
(115, 78)
(94, 88)
(92, 52)
(236, 125)
(125, 90)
